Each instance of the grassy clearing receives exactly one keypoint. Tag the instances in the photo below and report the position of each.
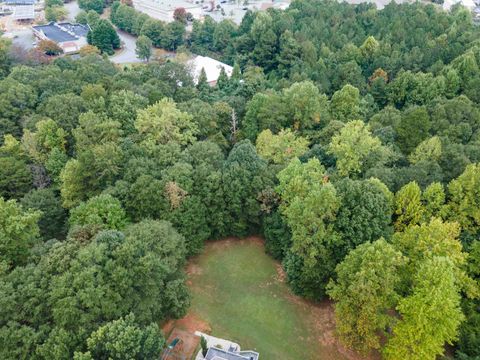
(240, 292)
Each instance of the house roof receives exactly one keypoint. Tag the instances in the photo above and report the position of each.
(62, 32)
(211, 66)
(214, 353)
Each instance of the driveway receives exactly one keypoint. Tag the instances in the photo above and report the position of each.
(127, 55)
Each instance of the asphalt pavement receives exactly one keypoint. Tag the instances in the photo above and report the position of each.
(127, 54)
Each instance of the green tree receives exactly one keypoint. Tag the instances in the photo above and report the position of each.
(144, 48)
(124, 339)
(163, 122)
(173, 35)
(52, 220)
(423, 334)
(354, 147)
(264, 111)
(278, 238)
(15, 177)
(204, 346)
(433, 199)
(96, 5)
(5, 59)
(223, 34)
(408, 206)
(17, 100)
(64, 109)
(102, 210)
(310, 205)
(305, 105)
(464, 198)
(365, 291)
(365, 214)
(265, 41)
(427, 150)
(48, 136)
(153, 29)
(19, 232)
(104, 37)
(413, 128)
(345, 104)
(123, 108)
(54, 13)
(289, 52)
(282, 147)
(435, 238)
(245, 175)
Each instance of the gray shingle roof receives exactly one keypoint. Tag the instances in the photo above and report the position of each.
(220, 354)
(62, 32)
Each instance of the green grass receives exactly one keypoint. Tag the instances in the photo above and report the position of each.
(236, 289)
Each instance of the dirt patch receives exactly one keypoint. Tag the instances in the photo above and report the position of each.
(225, 243)
(192, 323)
(184, 330)
(281, 275)
(186, 344)
(194, 269)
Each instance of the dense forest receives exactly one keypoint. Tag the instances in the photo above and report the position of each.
(349, 137)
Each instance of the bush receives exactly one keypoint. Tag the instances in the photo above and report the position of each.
(55, 13)
(89, 50)
(95, 5)
(203, 344)
(49, 47)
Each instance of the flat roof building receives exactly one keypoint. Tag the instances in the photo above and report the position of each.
(164, 9)
(70, 37)
(22, 9)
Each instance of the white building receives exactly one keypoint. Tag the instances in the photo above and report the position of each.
(22, 9)
(469, 4)
(211, 66)
(164, 9)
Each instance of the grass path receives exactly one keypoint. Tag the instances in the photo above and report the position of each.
(240, 292)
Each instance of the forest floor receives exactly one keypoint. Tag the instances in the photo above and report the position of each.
(240, 294)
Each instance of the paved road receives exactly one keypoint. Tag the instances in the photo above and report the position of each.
(24, 38)
(72, 10)
(127, 54)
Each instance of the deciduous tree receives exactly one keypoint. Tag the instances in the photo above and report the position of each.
(365, 291)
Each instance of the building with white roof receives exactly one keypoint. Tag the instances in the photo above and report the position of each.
(164, 9)
(469, 4)
(22, 9)
(211, 66)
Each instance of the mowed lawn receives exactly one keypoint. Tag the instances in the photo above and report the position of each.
(240, 292)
